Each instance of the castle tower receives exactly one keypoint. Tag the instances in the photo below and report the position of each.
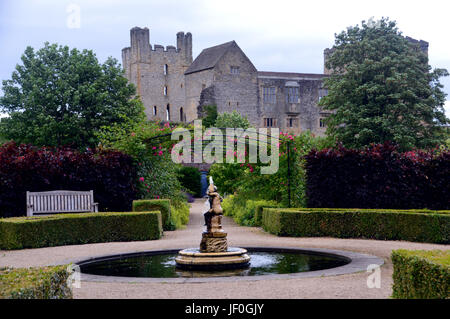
(158, 73)
(184, 46)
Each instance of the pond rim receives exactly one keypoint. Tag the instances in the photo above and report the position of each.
(358, 263)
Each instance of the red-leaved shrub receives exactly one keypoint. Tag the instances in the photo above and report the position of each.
(378, 177)
(110, 174)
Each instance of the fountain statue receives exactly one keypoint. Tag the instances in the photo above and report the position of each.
(214, 239)
(214, 253)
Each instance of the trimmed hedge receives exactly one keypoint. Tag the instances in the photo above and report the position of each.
(410, 225)
(110, 174)
(35, 283)
(259, 207)
(420, 274)
(70, 229)
(162, 205)
(246, 212)
(378, 177)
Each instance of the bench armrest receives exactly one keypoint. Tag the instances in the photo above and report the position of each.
(95, 207)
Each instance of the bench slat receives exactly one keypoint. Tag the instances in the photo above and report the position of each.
(59, 202)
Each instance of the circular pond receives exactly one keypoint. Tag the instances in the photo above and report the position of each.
(263, 261)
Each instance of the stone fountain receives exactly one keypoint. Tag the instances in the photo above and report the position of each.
(214, 253)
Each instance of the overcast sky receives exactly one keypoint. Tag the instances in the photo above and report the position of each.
(279, 35)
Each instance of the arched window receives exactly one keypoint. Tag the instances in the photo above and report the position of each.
(181, 114)
(155, 110)
(165, 90)
(168, 112)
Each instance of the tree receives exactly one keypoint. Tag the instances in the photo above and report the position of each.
(232, 120)
(211, 115)
(60, 96)
(382, 89)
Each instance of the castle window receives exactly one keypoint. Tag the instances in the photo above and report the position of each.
(290, 122)
(182, 117)
(234, 70)
(155, 110)
(165, 90)
(322, 93)
(168, 112)
(292, 95)
(270, 122)
(269, 95)
(166, 69)
(322, 122)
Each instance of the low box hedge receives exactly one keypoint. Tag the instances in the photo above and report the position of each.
(420, 274)
(70, 229)
(259, 207)
(35, 283)
(162, 205)
(410, 225)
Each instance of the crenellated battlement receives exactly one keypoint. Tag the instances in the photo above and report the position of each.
(141, 51)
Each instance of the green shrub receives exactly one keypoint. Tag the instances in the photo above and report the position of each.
(162, 205)
(210, 115)
(35, 283)
(179, 213)
(245, 212)
(174, 213)
(189, 178)
(70, 229)
(411, 225)
(421, 274)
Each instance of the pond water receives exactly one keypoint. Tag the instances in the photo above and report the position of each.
(162, 265)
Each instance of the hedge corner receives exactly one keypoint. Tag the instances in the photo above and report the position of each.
(163, 205)
(420, 274)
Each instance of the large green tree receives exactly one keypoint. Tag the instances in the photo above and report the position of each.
(59, 96)
(383, 89)
(232, 120)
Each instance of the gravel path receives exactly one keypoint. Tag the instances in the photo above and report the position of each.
(343, 286)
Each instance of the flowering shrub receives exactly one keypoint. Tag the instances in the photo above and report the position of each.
(110, 174)
(378, 177)
(157, 174)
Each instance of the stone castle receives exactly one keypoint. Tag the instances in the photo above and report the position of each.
(174, 87)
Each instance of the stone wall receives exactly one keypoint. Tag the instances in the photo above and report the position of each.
(195, 84)
(237, 91)
(305, 114)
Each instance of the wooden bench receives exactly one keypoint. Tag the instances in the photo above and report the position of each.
(54, 202)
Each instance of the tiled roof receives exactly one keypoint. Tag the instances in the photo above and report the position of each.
(291, 75)
(209, 57)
